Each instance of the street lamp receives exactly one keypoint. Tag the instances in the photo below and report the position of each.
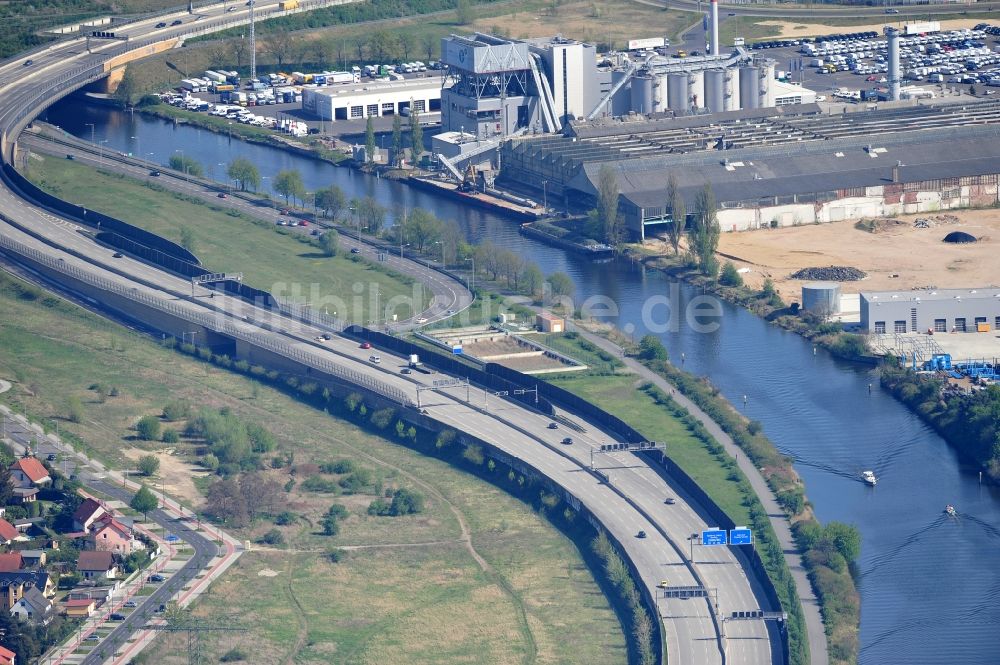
(545, 196)
(138, 143)
(91, 125)
(357, 221)
(438, 242)
(472, 275)
(100, 151)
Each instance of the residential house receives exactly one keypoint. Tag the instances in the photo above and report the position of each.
(11, 561)
(110, 535)
(80, 607)
(87, 513)
(7, 657)
(32, 558)
(14, 584)
(33, 607)
(29, 472)
(97, 565)
(8, 533)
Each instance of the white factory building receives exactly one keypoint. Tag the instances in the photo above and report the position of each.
(355, 101)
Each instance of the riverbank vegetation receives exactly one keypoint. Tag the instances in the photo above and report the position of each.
(969, 421)
(535, 600)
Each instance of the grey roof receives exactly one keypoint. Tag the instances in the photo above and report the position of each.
(39, 604)
(932, 294)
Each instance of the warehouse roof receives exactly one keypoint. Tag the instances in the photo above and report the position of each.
(934, 294)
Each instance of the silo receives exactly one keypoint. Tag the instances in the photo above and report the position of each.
(642, 94)
(621, 103)
(894, 74)
(749, 88)
(677, 92)
(766, 87)
(660, 93)
(715, 90)
(696, 89)
(732, 89)
(821, 298)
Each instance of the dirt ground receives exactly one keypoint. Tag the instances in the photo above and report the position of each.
(898, 256)
(795, 29)
(177, 476)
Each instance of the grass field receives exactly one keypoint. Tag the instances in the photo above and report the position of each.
(278, 263)
(409, 589)
(617, 395)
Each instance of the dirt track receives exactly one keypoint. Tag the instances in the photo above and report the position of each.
(796, 29)
(918, 256)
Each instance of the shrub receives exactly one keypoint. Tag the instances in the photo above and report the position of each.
(730, 276)
(356, 481)
(273, 537)
(148, 428)
(339, 467)
(319, 484)
(170, 436)
(149, 464)
(284, 518)
(330, 525)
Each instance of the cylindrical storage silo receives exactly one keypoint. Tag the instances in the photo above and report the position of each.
(749, 90)
(660, 102)
(894, 74)
(642, 94)
(821, 298)
(696, 89)
(766, 85)
(677, 92)
(732, 90)
(621, 103)
(715, 90)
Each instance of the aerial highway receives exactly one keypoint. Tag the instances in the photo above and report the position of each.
(631, 501)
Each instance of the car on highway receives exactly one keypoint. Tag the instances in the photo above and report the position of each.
(553, 426)
(366, 345)
(567, 441)
(29, 62)
(177, 22)
(303, 223)
(161, 24)
(156, 578)
(406, 370)
(155, 174)
(117, 255)
(355, 250)
(222, 195)
(117, 616)
(375, 359)
(70, 157)
(641, 534)
(670, 501)
(891, 11)
(450, 312)
(327, 336)
(130, 603)
(422, 320)
(230, 9)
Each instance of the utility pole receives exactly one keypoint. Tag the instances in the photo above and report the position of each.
(253, 44)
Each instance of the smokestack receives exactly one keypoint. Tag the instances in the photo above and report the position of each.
(715, 27)
(894, 78)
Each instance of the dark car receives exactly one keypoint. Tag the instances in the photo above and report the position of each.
(366, 345)
(51, 457)
(156, 578)
(406, 370)
(29, 63)
(117, 255)
(641, 534)
(177, 22)
(222, 195)
(161, 25)
(155, 174)
(670, 501)
(70, 157)
(327, 336)
(355, 250)
(567, 441)
(553, 426)
(117, 616)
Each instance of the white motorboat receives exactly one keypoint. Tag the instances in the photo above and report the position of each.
(950, 511)
(869, 477)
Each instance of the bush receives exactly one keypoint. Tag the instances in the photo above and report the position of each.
(148, 428)
(149, 464)
(318, 484)
(210, 462)
(273, 537)
(651, 348)
(339, 467)
(730, 276)
(356, 481)
(335, 556)
(404, 502)
(170, 436)
(177, 410)
(284, 518)
(331, 527)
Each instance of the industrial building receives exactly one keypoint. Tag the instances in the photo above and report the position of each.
(372, 98)
(778, 166)
(940, 311)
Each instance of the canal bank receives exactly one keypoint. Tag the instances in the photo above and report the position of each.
(920, 577)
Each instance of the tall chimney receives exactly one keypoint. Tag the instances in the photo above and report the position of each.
(715, 27)
(894, 77)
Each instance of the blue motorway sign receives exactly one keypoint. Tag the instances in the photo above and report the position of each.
(741, 535)
(457, 350)
(713, 537)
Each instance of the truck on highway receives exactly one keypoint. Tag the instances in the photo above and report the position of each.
(285, 5)
(415, 364)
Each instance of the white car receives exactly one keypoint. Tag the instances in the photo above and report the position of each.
(422, 320)
(375, 359)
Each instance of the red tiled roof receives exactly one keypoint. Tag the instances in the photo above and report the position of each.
(91, 560)
(79, 602)
(110, 521)
(7, 530)
(10, 561)
(86, 510)
(32, 468)
(7, 654)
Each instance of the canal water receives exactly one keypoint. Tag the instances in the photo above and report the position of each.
(929, 584)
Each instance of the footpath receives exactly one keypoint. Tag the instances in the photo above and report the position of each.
(815, 629)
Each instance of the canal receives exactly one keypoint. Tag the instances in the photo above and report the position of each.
(928, 583)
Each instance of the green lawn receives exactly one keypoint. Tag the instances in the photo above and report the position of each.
(412, 589)
(617, 395)
(269, 260)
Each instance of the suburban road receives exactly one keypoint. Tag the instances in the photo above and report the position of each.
(632, 501)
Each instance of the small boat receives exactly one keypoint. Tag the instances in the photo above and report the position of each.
(950, 511)
(869, 477)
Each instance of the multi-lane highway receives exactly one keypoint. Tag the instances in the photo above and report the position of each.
(632, 501)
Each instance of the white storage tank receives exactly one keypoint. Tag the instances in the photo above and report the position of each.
(732, 89)
(696, 89)
(621, 103)
(715, 90)
(642, 94)
(660, 101)
(677, 92)
(821, 298)
(766, 85)
(749, 88)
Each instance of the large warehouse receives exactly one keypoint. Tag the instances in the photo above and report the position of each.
(944, 310)
(372, 98)
(778, 166)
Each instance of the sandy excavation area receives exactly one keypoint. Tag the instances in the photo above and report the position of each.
(898, 256)
(789, 30)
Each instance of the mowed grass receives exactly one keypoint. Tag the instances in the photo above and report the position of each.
(223, 242)
(618, 395)
(408, 589)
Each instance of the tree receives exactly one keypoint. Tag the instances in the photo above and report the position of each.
(176, 410)
(127, 89)
(845, 537)
(416, 137)
(186, 165)
(225, 502)
(463, 12)
(330, 525)
(429, 42)
(532, 279)
(260, 494)
(148, 428)
(6, 488)
(381, 44)
(561, 284)
(245, 173)
(406, 502)
(677, 212)
(359, 45)
(149, 464)
(607, 205)
(371, 215)
(76, 412)
(289, 184)
(407, 42)
(281, 45)
(651, 348)
(143, 501)
(397, 140)
(705, 231)
(370, 140)
(240, 49)
(331, 200)
(730, 276)
(328, 243)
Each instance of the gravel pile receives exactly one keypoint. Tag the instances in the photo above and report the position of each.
(831, 274)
